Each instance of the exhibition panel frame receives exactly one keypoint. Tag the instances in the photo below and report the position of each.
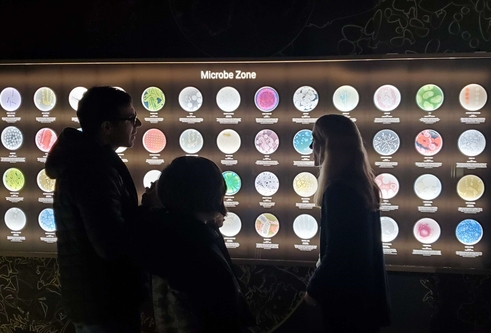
(423, 121)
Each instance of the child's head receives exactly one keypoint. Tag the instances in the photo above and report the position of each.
(192, 185)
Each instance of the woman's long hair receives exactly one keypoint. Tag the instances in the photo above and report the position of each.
(342, 156)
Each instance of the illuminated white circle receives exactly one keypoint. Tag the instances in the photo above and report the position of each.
(150, 177)
(345, 98)
(305, 184)
(473, 97)
(305, 99)
(228, 141)
(231, 225)
(266, 141)
(386, 142)
(45, 99)
(305, 226)
(427, 187)
(228, 99)
(15, 219)
(267, 183)
(12, 138)
(267, 225)
(75, 96)
(190, 99)
(10, 99)
(191, 141)
(471, 143)
(389, 228)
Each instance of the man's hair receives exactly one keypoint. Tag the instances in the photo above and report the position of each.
(99, 104)
(191, 185)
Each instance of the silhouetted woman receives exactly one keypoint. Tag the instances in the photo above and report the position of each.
(349, 283)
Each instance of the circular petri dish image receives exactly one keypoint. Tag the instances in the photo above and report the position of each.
(233, 182)
(45, 183)
(45, 99)
(15, 219)
(267, 225)
(191, 141)
(302, 141)
(427, 187)
(428, 142)
(266, 141)
(10, 99)
(267, 183)
(390, 229)
(150, 177)
(426, 231)
(469, 232)
(266, 99)
(153, 99)
(228, 141)
(190, 99)
(386, 142)
(387, 98)
(228, 99)
(12, 138)
(45, 139)
(305, 226)
(46, 220)
(388, 185)
(154, 140)
(75, 96)
(345, 98)
(470, 188)
(13, 179)
(305, 99)
(429, 97)
(471, 143)
(231, 225)
(473, 97)
(305, 184)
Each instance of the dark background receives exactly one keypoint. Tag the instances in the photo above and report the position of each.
(102, 29)
(216, 30)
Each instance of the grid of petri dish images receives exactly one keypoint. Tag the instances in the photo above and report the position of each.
(260, 135)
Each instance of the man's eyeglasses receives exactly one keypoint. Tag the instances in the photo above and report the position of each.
(133, 119)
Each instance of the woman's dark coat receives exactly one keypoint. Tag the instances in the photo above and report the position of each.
(350, 281)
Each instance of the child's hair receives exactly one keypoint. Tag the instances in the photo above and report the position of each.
(191, 185)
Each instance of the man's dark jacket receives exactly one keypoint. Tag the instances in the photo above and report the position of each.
(94, 199)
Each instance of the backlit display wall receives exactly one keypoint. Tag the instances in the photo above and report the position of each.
(424, 123)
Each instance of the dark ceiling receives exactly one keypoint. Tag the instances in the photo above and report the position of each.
(110, 29)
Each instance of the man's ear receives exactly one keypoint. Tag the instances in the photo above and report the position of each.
(106, 127)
